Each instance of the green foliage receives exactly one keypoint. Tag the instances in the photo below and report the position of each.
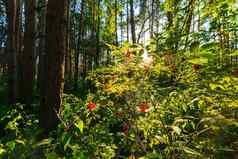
(180, 121)
(176, 97)
(144, 105)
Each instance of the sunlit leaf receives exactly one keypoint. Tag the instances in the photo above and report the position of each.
(11, 145)
(52, 155)
(80, 125)
(67, 143)
(199, 61)
(177, 130)
(191, 151)
(44, 142)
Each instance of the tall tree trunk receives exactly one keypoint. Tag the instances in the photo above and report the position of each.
(42, 53)
(28, 53)
(132, 21)
(121, 24)
(73, 39)
(11, 50)
(116, 34)
(56, 29)
(127, 22)
(80, 34)
(152, 18)
(91, 54)
(97, 58)
(68, 51)
(19, 41)
(188, 20)
(170, 31)
(18, 44)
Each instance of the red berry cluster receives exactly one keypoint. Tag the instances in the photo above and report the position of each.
(143, 107)
(91, 106)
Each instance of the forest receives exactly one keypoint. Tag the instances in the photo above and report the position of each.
(118, 79)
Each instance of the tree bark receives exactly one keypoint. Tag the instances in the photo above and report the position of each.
(188, 21)
(42, 53)
(152, 18)
(116, 12)
(19, 44)
(11, 50)
(132, 21)
(97, 57)
(80, 34)
(28, 53)
(56, 29)
(127, 22)
(68, 52)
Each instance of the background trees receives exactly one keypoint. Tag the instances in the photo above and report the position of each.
(175, 26)
(11, 9)
(28, 54)
(133, 61)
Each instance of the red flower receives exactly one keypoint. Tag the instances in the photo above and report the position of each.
(235, 72)
(125, 128)
(143, 107)
(128, 54)
(196, 67)
(119, 114)
(91, 106)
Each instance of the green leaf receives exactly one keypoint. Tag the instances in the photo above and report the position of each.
(67, 143)
(80, 125)
(11, 145)
(235, 53)
(51, 155)
(227, 149)
(199, 61)
(43, 142)
(177, 130)
(2, 150)
(191, 151)
(20, 142)
(82, 156)
(215, 86)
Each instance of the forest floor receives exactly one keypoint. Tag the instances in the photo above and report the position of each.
(132, 110)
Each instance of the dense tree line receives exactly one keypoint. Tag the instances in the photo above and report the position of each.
(113, 79)
(56, 43)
